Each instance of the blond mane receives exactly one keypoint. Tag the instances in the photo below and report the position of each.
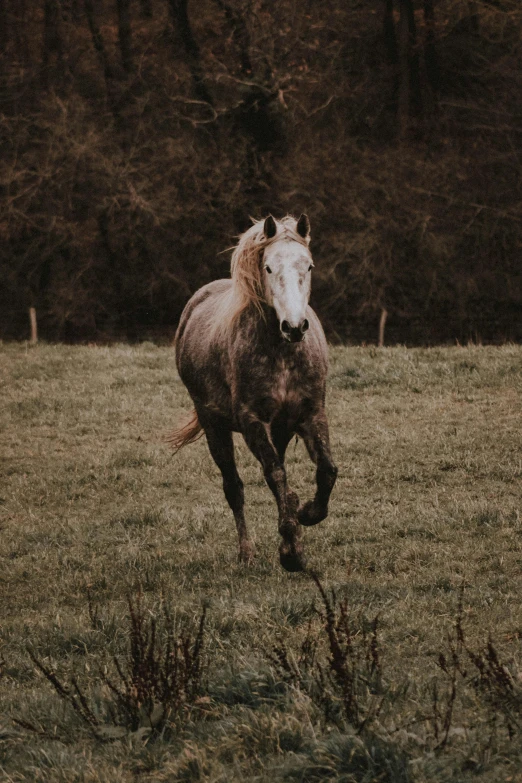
(247, 274)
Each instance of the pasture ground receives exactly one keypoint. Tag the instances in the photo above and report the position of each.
(428, 500)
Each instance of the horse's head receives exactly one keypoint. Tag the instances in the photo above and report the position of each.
(287, 270)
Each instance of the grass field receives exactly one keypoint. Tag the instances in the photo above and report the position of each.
(425, 515)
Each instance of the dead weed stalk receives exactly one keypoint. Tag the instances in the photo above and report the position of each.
(346, 683)
(155, 685)
(480, 671)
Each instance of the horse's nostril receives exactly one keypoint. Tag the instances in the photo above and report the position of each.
(305, 325)
(285, 327)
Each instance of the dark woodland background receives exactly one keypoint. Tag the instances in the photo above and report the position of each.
(138, 136)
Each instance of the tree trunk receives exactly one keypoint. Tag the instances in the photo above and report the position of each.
(260, 113)
(97, 41)
(181, 23)
(125, 34)
(24, 50)
(4, 25)
(409, 77)
(75, 10)
(52, 38)
(430, 51)
(146, 9)
(474, 17)
(240, 35)
(390, 37)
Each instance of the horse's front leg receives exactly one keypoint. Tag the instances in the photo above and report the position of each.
(316, 437)
(257, 437)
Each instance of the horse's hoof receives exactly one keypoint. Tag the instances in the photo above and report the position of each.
(310, 514)
(292, 560)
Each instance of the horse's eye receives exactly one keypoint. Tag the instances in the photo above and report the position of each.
(268, 270)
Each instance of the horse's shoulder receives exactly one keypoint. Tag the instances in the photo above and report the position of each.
(208, 291)
(214, 288)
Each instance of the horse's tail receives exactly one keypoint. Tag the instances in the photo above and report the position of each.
(189, 432)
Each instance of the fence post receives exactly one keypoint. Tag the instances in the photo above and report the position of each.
(34, 325)
(382, 325)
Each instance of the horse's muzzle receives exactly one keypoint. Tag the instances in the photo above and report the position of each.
(294, 334)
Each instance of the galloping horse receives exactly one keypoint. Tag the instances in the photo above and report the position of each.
(253, 356)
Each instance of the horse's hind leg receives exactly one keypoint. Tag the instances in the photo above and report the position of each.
(221, 447)
(316, 437)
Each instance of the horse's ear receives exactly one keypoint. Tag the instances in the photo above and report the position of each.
(303, 226)
(270, 227)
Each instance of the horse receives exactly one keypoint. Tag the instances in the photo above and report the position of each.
(253, 356)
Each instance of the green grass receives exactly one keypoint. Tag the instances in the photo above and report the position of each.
(428, 498)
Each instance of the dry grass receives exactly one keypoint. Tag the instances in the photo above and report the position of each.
(91, 500)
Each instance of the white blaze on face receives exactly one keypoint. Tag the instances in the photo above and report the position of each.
(288, 267)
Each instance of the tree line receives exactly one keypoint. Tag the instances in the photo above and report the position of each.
(138, 136)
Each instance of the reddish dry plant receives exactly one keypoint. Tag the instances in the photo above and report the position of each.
(451, 664)
(351, 674)
(488, 677)
(159, 680)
